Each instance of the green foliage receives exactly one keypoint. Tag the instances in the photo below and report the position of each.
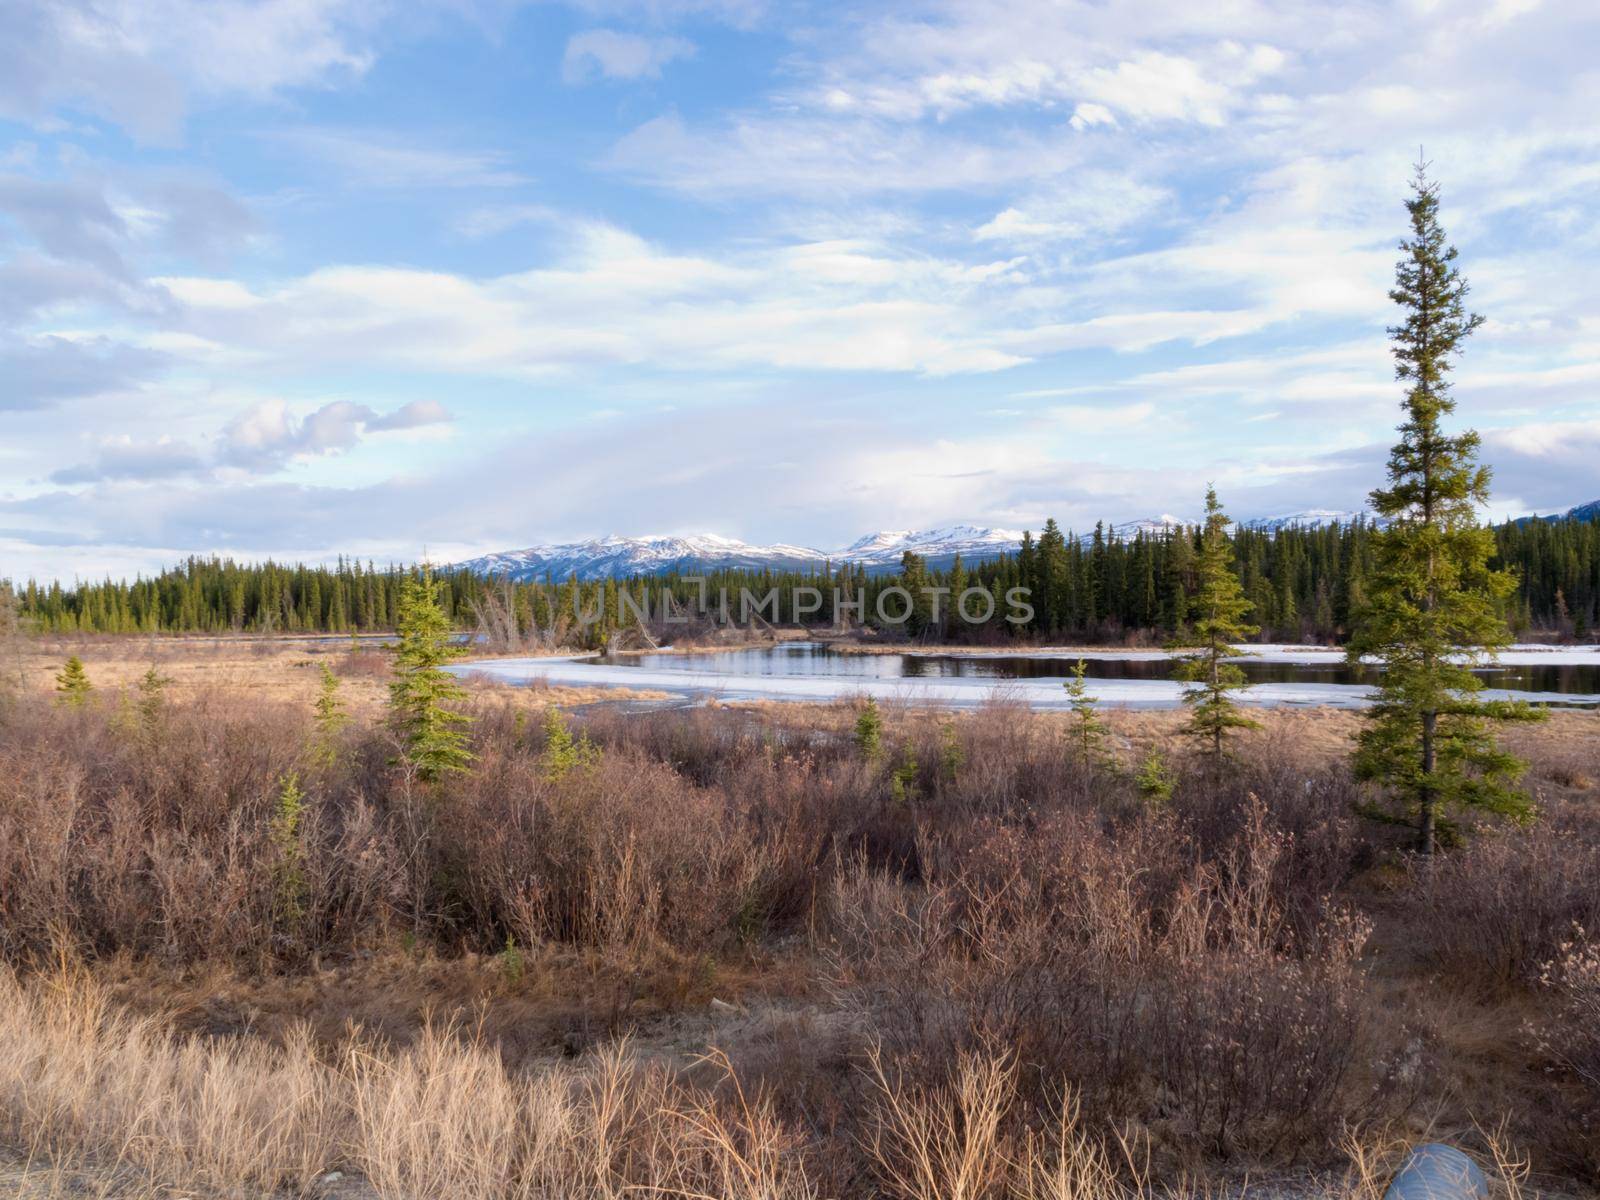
(869, 731)
(1087, 732)
(329, 721)
(10, 640)
(1219, 609)
(1435, 607)
(1155, 779)
(563, 753)
(152, 697)
(951, 756)
(432, 733)
(72, 684)
(512, 962)
(903, 782)
(289, 878)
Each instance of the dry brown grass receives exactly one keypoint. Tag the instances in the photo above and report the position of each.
(283, 669)
(84, 1085)
(97, 1102)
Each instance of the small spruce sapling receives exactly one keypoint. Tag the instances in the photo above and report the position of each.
(869, 731)
(513, 963)
(1155, 780)
(563, 753)
(329, 721)
(152, 697)
(951, 756)
(1088, 732)
(72, 683)
(288, 872)
(903, 783)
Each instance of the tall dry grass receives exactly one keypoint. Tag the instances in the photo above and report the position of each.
(106, 1103)
(82, 1083)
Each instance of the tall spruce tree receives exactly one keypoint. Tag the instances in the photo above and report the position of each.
(1219, 609)
(422, 693)
(1433, 607)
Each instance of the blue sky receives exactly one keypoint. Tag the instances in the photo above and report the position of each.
(302, 277)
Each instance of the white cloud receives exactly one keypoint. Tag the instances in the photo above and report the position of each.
(608, 54)
(494, 219)
(373, 159)
(135, 62)
(1125, 420)
(268, 436)
(791, 155)
(616, 299)
(1088, 114)
(1079, 205)
(126, 458)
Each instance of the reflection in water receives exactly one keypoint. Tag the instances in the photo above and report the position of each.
(818, 659)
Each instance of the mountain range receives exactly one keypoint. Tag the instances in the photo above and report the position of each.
(617, 556)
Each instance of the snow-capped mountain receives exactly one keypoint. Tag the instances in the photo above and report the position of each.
(1311, 518)
(973, 543)
(1127, 530)
(1579, 512)
(615, 557)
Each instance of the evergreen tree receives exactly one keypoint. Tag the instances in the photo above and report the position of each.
(288, 871)
(1053, 568)
(330, 719)
(1177, 580)
(1155, 779)
(903, 780)
(914, 578)
(1219, 611)
(152, 696)
(420, 697)
(1434, 606)
(869, 731)
(72, 683)
(1088, 732)
(10, 639)
(951, 756)
(563, 753)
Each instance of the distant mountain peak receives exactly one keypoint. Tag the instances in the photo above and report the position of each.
(1309, 518)
(616, 555)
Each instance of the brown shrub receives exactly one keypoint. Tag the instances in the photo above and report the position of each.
(1571, 1041)
(1495, 912)
(1152, 987)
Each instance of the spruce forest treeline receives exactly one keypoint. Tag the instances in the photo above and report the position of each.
(1303, 583)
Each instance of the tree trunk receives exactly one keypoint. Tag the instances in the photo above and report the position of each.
(1428, 802)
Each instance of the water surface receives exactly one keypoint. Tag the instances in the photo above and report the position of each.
(816, 671)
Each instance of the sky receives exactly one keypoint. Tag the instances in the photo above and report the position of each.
(297, 278)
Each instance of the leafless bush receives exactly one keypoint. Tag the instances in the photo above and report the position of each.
(1494, 913)
(364, 661)
(1571, 1041)
(1151, 986)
